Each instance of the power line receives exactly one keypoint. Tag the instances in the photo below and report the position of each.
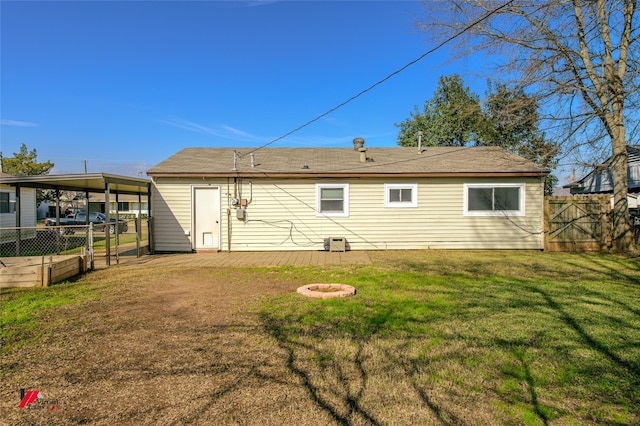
(398, 71)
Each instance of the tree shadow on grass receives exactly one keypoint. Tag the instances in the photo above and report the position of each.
(412, 368)
(213, 398)
(349, 400)
(523, 374)
(316, 367)
(632, 368)
(626, 270)
(531, 386)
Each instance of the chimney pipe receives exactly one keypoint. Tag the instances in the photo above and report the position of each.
(252, 161)
(358, 143)
(419, 141)
(363, 154)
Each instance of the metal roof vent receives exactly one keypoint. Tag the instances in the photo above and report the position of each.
(358, 143)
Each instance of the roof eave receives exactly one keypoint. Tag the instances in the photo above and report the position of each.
(350, 175)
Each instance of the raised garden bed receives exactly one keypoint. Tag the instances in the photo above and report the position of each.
(40, 271)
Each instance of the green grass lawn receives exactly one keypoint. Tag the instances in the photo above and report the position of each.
(477, 337)
(21, 309)
(536, 337)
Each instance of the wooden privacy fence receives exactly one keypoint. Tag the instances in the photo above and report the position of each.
(577, 223)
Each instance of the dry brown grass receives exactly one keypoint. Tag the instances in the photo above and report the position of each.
(160, 347)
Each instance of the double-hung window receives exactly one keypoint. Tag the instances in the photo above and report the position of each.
(7, 204)
(401, 195)
(494, 199)
(332, 199)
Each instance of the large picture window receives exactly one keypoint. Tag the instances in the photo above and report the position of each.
(494, 199)
(332, 199)
(401, 195)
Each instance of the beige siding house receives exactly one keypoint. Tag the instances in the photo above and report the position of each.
(8, 208)
(372, 199)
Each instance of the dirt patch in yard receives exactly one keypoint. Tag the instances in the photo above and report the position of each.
(161, 346)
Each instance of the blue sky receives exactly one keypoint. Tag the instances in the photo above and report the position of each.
(124, 85)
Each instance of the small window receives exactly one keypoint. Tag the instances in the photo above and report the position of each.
(332, 199)
(7, 204)
(401, 195)
(123, 206)
(494, 199)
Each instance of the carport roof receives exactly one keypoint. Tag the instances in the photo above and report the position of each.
(87, 182)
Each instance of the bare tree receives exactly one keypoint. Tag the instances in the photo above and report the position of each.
(579, 57)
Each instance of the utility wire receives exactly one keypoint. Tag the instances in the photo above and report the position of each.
(398, 71)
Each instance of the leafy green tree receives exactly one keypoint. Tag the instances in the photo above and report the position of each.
(507, 118)
(23, 163)
(450, 118)
(511, 120)
(510, 116)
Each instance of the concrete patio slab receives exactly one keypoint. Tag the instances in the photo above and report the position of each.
(239, 259)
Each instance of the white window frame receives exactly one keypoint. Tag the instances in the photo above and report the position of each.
(12, 203)
(345, 201)
(401, 204)
(519, 212)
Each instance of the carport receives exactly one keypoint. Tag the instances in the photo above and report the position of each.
(108, 184)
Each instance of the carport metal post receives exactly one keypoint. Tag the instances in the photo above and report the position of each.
(87, 222)
(18, 221)
(86, 208)
(107, 237)
(116, 229)
(92, 244)
(57, 229)
(139, 225)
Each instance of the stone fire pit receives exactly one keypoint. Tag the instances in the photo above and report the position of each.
(327, 291)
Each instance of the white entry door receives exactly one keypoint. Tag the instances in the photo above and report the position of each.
(206, 218)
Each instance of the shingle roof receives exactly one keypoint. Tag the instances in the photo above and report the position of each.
(600, 180)
(340, 162)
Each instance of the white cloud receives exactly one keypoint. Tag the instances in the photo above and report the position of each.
(17, 123)
(241, 138)
(221, 131)
(256, 3)
(193, 127)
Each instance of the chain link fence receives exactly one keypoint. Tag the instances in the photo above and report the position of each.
(42, 241)
(72, 239)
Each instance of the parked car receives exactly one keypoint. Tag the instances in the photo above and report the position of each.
(96, 218)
